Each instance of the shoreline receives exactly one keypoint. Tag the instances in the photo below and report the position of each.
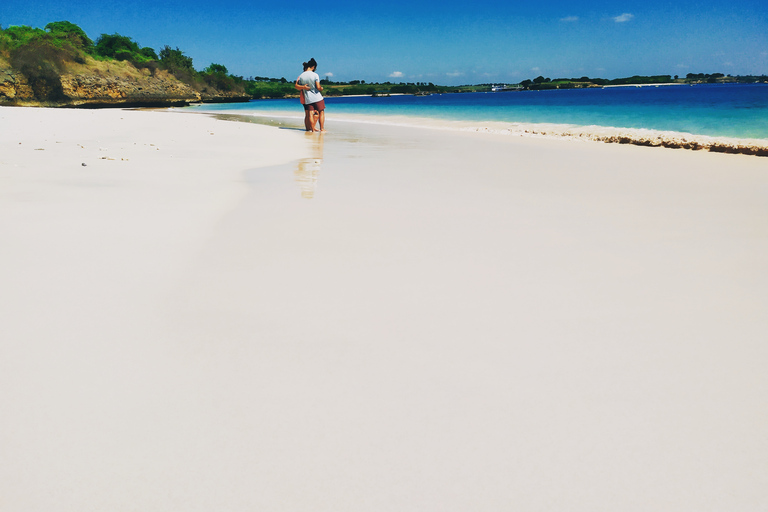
(643, 85)
(589, 133)
(639, 137)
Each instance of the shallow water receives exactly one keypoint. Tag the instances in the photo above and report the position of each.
(728, 110)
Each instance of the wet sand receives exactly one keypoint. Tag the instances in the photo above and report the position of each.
(550, 131)
(380, 318)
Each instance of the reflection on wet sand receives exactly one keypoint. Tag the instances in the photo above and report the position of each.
(308, 169)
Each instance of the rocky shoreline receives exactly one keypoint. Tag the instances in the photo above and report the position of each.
(91, 90)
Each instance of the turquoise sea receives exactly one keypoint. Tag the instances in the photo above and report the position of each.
(719, 110)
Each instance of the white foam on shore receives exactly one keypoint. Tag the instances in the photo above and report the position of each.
(592, 133)
(635, 136)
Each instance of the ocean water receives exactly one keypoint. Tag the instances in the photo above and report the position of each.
(719, 110)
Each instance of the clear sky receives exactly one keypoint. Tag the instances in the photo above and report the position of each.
(430, 41)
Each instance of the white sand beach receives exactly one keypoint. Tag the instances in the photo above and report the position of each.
(216, 315)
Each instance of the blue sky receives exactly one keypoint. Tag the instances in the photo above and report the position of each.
(429, 41)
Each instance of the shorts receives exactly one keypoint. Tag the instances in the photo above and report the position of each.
(318, 106)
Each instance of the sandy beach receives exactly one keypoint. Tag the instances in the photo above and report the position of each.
(200, 314)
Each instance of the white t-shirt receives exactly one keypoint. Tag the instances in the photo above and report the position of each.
(310, 78)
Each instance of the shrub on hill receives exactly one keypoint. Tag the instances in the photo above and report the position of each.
(149, 53)
(118, 47)
(216, 75)
(70, 33)
(177, 63)
(15, 36)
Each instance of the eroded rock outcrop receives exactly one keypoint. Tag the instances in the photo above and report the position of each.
(99, 84)
(91, 90)
(14, 88)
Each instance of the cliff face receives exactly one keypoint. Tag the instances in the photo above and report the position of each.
(14, 88)
(89, 90)
(102, 84)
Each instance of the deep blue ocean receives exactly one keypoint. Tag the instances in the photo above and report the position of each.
(724, 110)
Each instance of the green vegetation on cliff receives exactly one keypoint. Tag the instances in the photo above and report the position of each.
(41, 55)
(44, 56)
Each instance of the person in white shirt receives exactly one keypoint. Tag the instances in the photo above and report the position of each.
(314, 104)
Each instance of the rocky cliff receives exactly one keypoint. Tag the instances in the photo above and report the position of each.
(104, 84)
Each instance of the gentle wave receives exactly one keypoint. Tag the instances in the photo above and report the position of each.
(730, 110)
(639, 137)
(726, 118)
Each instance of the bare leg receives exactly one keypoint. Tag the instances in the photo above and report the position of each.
(314, 120)
(322, 120)
(308, 120)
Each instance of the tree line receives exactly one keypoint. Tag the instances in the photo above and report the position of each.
(540, 82)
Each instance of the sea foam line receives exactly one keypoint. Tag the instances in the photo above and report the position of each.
(635, 136)
(593, 133)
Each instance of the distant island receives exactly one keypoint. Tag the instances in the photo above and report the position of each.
(264, 87)
(60, 65)
(541, 83)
